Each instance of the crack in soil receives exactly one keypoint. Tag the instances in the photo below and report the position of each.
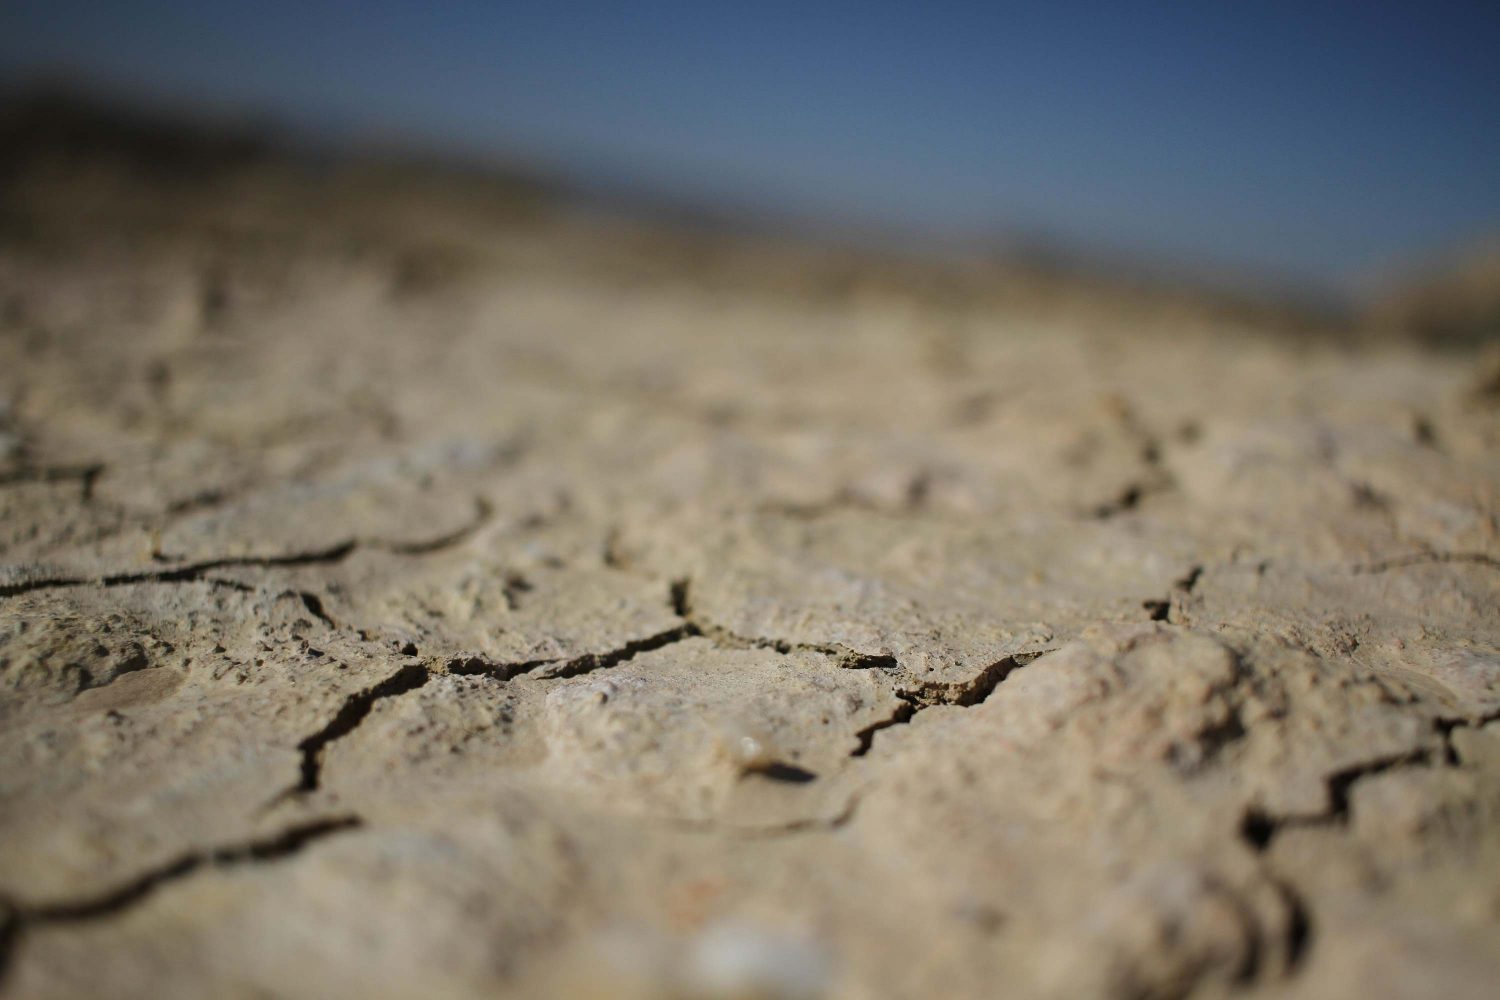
(966, 695)
(412, 676)
(1259, 828)
(483, 512)
(86, 475)
(682, 606)
(1428, 558)
(191, 572)
(354, 710)
(1159, 609)
(128, 894)
(194, 571)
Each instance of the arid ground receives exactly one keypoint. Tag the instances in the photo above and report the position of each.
(412, 585)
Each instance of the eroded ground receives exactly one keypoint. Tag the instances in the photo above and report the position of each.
(440, 610)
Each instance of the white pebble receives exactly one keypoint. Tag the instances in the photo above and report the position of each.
(741, 962)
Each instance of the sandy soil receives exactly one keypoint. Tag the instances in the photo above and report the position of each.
(412, 587)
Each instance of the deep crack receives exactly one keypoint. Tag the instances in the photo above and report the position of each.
(965, 695)
(1259, 828)
(354, 710)
(1159, 609)
(589, 662)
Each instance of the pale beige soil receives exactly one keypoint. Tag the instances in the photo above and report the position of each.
(408, 593)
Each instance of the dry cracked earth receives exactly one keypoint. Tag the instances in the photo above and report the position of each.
(418, 593)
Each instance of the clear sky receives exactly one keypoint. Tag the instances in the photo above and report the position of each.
(1320, 142)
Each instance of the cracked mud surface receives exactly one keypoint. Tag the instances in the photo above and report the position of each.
(556, 628)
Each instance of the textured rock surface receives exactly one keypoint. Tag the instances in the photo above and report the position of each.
(373, 624)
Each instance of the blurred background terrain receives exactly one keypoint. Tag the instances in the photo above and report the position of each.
(1340, 157)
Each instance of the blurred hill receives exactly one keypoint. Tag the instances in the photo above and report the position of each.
(1455, 303)
(75, 166)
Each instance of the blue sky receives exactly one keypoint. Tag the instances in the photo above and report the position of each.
(1322, 143)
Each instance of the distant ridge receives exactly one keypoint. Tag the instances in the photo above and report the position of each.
(192, 162)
